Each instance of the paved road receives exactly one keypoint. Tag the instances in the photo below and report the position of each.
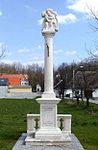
(94, 101)
(90, 100)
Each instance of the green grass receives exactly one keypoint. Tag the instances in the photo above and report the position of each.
(84, 122)
(13, 121)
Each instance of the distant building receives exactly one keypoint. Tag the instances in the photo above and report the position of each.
(20, 89)
(24, 83)
(15, 79)
(3, 87)
(38, 88)
(3, 81)
(15, 86)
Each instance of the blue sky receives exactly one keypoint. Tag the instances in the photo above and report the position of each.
(20, 29)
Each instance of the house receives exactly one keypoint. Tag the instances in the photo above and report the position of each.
(15, 79)
(3, 82)
(15, 86)
(16, 83)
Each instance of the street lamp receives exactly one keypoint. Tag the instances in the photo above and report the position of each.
(60, 80)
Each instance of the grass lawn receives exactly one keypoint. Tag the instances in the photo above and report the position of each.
(13, 121)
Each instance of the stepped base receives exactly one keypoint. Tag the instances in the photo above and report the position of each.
(73, 145)
(46, 134)
(54, 140)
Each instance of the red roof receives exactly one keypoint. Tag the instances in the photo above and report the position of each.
(14, 79)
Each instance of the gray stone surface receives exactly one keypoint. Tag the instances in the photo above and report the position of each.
(21, 95)
(3, 91)
(18, 95)
(74, 145)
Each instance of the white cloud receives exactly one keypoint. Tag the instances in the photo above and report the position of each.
(39, 62)
(36, 58)
(1, 13)
(39, 47)
(40, 21)
(8, 61)
(28, 50)
(65, 19)
(30, 8)
(84, 6)
(24, 50)
(96, 53)
(1, 43)
(27, 6)
(70, 53)
(58, 51)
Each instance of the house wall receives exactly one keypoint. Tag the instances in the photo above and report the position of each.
(20, 89)
(95, 93)
(68, 92)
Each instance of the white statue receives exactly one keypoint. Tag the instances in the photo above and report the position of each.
(50, 21)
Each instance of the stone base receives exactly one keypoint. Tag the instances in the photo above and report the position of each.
(62, 141)
(50, 139)
(47, 134)
(73, 145)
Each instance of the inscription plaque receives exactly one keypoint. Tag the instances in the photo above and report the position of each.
(48, 116)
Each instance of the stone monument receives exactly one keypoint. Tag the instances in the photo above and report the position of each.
(48, 102)
(48, 135)
(49, 130)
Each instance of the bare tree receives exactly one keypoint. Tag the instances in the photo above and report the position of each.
(94, 27)
(35, 76)
(2, 50)
(62, 78)
(85, 80)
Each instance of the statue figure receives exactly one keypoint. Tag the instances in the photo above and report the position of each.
(50, 21)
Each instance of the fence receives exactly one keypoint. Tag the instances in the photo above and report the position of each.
(33, 123)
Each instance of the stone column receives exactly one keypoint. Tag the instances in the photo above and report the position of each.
(48, 103)
(48, 64)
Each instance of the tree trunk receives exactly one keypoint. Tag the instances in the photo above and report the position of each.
(87, 102)
(77, 100)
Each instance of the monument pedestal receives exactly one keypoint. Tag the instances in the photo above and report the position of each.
(48, 133)
(48, 119)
